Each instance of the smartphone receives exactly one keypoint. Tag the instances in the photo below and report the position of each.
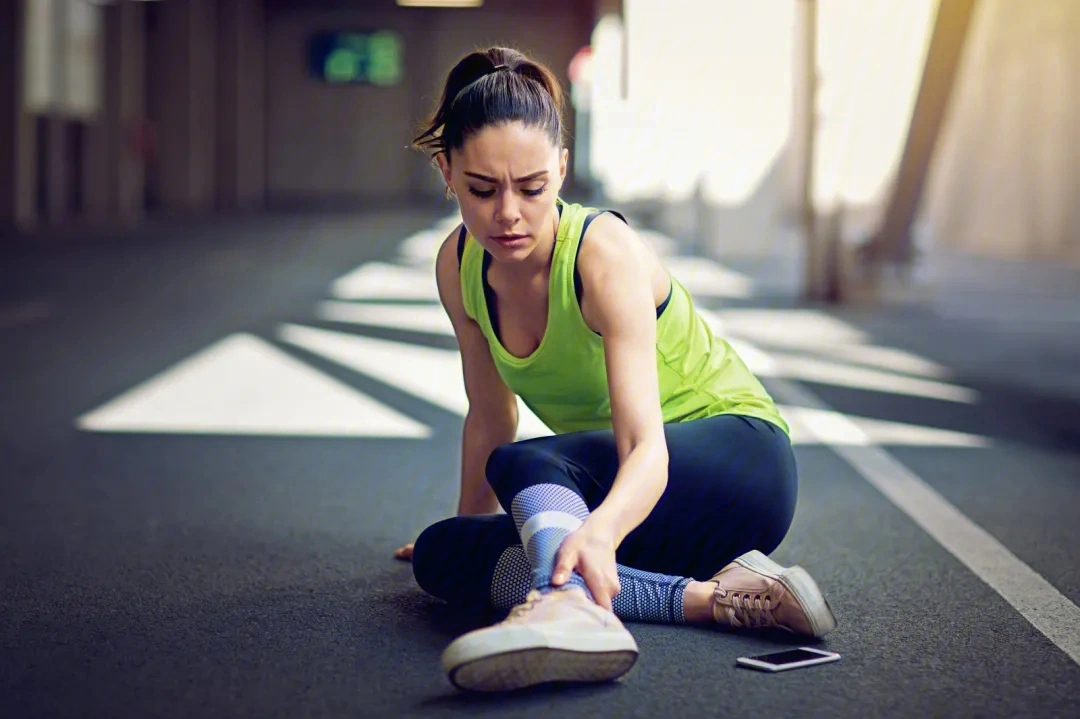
(788, 659)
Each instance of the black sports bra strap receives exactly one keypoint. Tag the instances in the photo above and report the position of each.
(461, 244)
(593, 215)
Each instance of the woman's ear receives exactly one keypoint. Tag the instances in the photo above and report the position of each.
(564, 158)
(444, 168)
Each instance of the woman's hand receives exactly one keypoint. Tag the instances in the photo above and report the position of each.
(404, 553)
(591, 551)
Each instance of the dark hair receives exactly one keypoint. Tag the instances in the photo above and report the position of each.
(493, 87)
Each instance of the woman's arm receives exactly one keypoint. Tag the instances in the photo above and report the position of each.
(617, 273)
(492, 417)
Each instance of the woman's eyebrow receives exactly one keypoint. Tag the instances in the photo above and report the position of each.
(492, 180)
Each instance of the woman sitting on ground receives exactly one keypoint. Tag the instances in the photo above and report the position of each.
(670, 475)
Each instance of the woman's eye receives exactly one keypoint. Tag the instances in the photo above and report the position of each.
(532, 192)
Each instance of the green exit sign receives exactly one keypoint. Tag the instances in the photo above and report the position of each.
(351, 58)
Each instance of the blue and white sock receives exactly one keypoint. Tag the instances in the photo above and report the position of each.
(644, 596)
(545, 514)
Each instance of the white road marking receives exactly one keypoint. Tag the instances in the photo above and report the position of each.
(432, 374)
(243, 385)
(1038, 601)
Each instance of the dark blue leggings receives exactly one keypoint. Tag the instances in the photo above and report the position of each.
(732, 487)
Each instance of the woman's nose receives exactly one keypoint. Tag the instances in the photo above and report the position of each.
(507, 211)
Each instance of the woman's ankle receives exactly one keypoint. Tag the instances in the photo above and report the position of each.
(698, 602)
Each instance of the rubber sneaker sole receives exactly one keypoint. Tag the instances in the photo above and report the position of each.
(510, 658)
(800, 584)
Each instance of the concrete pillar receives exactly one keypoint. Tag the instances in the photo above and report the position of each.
(241, 105)
(893, 241)
(184, 69)
(115, 175)
(128, 77)
(57, 170)
(18, 134)
(98, 172)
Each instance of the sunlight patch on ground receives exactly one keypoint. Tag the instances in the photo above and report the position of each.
(755, 335)
(243, 385)
(380, 280)
(429, 373)
(818, 333)
(815, 426)
(703, 277)
(417, 318)
(839, 374)
(421, 248)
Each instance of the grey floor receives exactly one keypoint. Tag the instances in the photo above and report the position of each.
(172, 575)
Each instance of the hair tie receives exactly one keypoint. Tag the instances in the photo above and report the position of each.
(500, 67)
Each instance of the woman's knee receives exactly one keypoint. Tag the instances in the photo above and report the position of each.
(779, 473)
(454, 558)
(733, 488)
(513, 466)
(430, 560)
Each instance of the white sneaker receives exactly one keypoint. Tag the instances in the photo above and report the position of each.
(560, 636)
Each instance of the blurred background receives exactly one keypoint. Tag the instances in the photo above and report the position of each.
(817, 139)
(228, 391)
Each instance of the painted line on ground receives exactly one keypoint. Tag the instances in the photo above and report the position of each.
(1038, 601)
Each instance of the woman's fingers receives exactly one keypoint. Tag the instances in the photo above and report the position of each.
(565, 562)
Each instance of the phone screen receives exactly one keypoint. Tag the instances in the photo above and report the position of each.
(790, 656)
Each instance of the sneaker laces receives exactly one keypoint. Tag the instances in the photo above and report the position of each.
(531, 600)
(751, 610)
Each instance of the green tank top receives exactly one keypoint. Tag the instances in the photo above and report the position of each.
(564, 381)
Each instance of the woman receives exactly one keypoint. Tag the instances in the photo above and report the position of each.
(669, 460)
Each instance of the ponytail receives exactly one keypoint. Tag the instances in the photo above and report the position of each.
(493, 87)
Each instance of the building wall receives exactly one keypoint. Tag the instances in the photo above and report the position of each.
(12, 152)
(327, 143)
(1006, 174)
(208, 106)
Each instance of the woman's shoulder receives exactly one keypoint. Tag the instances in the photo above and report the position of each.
(608, 242)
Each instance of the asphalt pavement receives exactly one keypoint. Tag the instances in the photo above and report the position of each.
(213, 437)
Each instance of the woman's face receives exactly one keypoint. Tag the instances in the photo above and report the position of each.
(507, 179)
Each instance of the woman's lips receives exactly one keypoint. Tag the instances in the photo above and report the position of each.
(508, 239)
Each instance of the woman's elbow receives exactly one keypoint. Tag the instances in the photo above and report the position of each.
(654, 450)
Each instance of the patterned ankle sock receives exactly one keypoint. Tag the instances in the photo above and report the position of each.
(644, 597)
